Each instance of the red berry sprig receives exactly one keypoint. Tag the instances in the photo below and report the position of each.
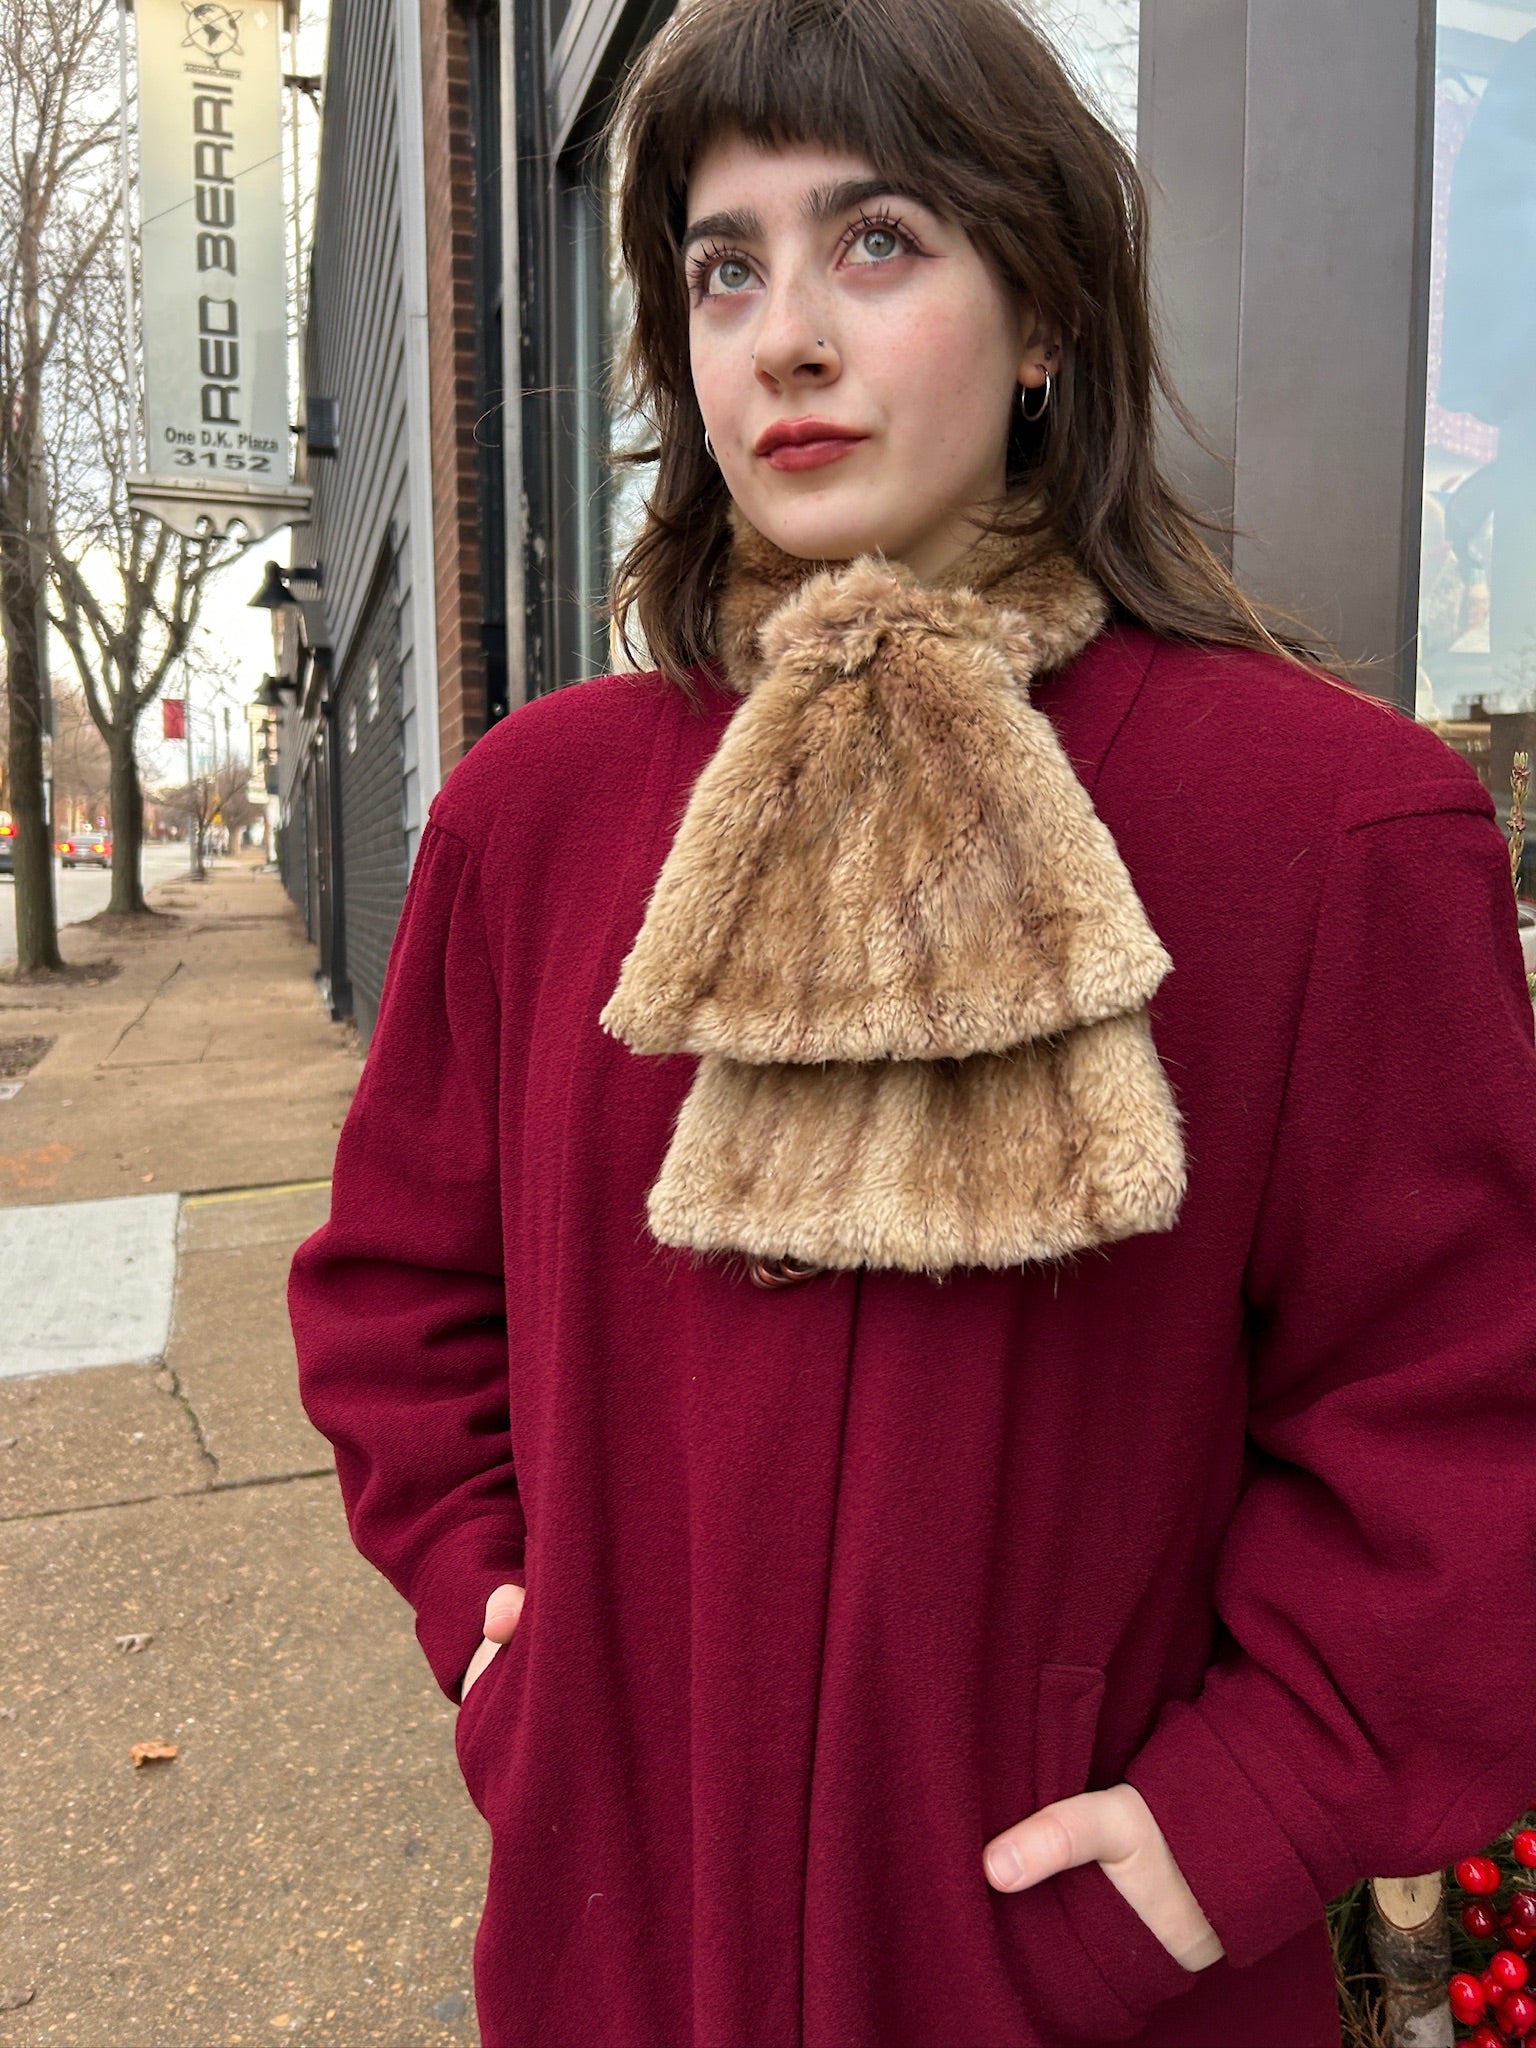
(1468, 1999)
(1499, 2003)
(1509, 1970)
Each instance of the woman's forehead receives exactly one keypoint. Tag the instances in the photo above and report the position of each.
(730, 152)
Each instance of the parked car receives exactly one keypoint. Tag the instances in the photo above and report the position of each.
(94, 848)
(8, 851)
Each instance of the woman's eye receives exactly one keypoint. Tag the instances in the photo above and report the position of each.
(881, 242)
(732, 273)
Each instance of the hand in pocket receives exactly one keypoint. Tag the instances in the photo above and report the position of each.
(1117, 1830)
(502, 1613)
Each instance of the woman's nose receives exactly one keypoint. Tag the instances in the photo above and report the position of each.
(792, 339)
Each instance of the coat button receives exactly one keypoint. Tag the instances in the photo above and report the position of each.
(772, 1273)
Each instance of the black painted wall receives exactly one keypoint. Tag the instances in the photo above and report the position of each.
(369, 739)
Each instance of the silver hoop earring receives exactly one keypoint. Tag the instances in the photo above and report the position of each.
(709, 447)
(1042, 409)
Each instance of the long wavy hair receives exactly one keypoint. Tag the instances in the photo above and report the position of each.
(965, 103)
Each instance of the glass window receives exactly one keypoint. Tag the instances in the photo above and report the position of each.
(1477, 601)
(627, 486)
(1100, 42)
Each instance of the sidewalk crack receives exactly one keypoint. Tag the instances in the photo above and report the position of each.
(146, 1500)
(168, 1380)
(134, 1022)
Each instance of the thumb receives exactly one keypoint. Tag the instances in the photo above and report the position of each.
(502, 1612)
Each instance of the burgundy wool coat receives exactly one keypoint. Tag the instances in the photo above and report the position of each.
(828, 1584)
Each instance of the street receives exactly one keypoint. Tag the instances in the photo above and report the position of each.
(84, 891)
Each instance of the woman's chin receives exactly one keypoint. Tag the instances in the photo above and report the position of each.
(823, 534)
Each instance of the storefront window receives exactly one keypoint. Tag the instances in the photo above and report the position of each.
(1477, 605)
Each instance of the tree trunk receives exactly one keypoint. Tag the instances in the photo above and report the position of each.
(127, 825)
(24, 613)
(37, 928)
(1410, 1941)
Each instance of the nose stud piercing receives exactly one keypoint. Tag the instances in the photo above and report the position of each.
(819, 343)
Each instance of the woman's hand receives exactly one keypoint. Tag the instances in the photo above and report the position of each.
(502, 1612)
(1115, 1829)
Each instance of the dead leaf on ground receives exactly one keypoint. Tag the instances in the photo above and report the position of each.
(152, 1753)
(132, 1642)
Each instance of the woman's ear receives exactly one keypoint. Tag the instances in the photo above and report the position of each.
(1042, 355)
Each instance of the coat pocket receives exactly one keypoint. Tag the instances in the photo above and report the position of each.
(1082, 1963)
(482, 1718)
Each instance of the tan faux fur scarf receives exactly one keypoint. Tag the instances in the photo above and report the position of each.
(899, 936)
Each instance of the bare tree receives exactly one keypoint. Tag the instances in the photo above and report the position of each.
(123, 590)
(82, 769)
(57, 124)
(217, 797)
(128, 590)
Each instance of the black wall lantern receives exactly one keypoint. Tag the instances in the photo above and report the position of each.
(275, 593)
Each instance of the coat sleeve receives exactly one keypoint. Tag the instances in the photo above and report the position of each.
(399, 1303)
(1368, 1708)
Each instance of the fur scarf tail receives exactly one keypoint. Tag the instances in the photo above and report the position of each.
(904, 946)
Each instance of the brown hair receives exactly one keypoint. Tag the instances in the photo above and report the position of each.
(963, 102)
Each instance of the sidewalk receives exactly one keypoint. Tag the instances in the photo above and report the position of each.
(174, 1565)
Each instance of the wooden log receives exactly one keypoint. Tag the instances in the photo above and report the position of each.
(1410, 1942)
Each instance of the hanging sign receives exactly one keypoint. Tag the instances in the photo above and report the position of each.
(214, 286)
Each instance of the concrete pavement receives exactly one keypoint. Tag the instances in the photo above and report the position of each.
(174, 1565)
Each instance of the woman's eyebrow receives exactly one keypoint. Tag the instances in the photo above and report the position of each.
(730, 226)
(826, 201)
(821, 203)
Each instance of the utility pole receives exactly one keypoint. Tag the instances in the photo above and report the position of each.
(194, 822)
(38, 520)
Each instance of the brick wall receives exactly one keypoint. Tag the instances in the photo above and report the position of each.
(455, 400)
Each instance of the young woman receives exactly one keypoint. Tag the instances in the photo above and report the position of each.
(931, 1283)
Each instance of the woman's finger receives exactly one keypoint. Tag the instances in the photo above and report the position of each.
(477, 1664)
(502, 1612)
(1091, 1827)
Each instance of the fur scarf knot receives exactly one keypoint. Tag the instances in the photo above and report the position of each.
(899, 937)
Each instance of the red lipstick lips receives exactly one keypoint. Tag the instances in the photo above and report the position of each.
(806, 443)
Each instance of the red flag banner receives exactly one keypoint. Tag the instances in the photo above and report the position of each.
(174, 712)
